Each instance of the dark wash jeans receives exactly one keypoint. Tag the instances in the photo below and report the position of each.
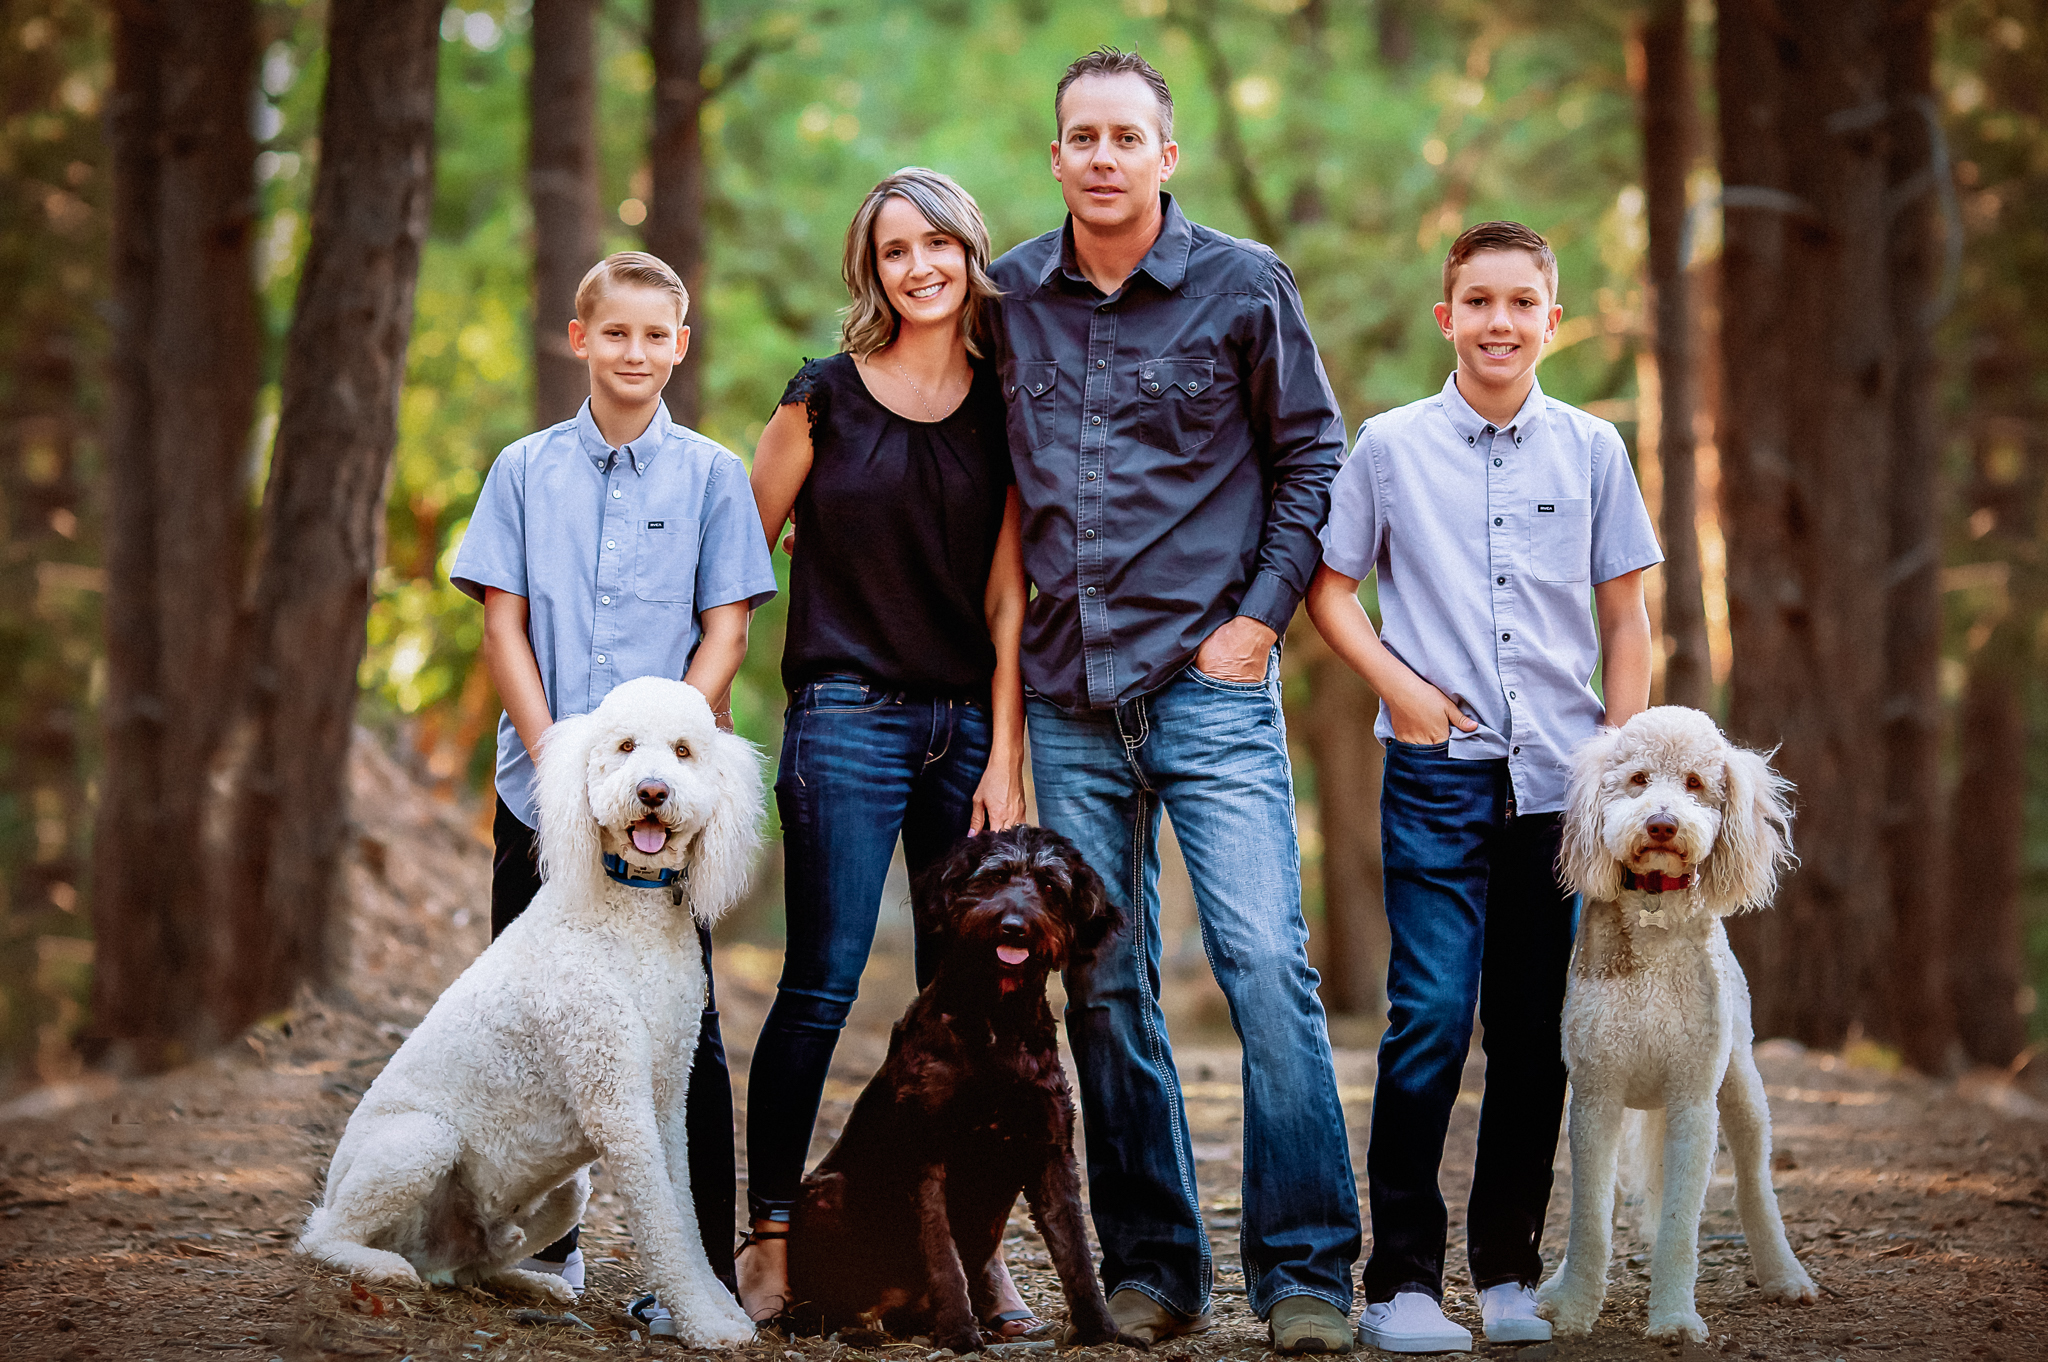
(1477, 915)
(1214, 755)
(707, 1109)
(860, 765)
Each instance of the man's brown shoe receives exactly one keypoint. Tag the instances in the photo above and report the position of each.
(1142, 1319)
(1308, 1324)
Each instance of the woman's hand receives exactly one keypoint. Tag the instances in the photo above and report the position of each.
(999, 799)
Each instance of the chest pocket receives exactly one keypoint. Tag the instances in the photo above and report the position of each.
(665, 567)
(1031, 392)
(1176, 403)
(1561, 539)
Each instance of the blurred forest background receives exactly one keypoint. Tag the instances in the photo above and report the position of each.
(267, 312)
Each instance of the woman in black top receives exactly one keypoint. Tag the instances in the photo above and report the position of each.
(906, 602)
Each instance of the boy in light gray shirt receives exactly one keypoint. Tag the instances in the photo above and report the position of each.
(1491, 513)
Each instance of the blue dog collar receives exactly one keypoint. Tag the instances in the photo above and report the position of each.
(672, 880)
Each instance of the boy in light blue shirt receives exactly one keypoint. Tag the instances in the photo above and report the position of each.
(612, 546)
(1490, 513)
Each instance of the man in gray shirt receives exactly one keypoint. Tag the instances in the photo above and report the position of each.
(1174, 438)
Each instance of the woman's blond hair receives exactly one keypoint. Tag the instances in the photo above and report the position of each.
(870, 320)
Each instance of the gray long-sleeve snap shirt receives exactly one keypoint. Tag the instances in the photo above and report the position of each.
(1174, 443)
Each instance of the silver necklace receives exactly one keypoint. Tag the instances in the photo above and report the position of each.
(900, 373)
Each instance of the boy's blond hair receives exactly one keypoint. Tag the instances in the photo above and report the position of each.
(1500, 236)
(630, 269)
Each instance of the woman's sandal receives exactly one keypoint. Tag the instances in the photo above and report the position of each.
(998, 1326)
(782, 1302)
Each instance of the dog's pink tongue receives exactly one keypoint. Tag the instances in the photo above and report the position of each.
(1012, 955)
(650, 837)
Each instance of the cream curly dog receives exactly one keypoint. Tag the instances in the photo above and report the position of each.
(570, 1039)
(1668, 828)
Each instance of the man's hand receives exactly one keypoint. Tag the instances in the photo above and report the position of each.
(1237, 651)
(1424, 715)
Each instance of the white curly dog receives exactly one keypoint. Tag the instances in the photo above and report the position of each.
(1668, 828)
(570, 1039)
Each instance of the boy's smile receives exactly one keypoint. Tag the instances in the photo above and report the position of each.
(632, 342)
(1499, 317)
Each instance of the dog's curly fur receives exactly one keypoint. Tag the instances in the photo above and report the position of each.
(1657, 1016)
(899, 1224)
(570, 1038)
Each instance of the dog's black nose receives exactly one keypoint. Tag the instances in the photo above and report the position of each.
(653, 793)
(1661, 829)
(1012, 927)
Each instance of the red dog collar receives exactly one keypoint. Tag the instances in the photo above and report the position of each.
(1653, 881)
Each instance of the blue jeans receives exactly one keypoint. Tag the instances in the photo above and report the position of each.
(1477, 916)
(1214, 755)
(859, 766)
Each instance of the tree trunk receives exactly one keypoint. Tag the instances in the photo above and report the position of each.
(324, 509)
(1670, 136)
(185, 388)
(675, 218)
(1804, 453)
(561, 181)
(1986, 849)
(1348, 761)
(1919, 1018)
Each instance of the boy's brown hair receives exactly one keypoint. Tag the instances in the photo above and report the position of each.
(1500, 236)
(630, 269)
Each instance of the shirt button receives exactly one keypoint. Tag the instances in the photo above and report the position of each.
(1155, 387)
(1091, 591)
(1500, 581)
(1470, 441)
(1505, 637)
(616, 493)
(604, 600)
(1102, 364)
(613, 543)
(1088, 477)
(1496, 464)
(1496, 520)
(1089, 535)
(600, 657)
(1518, 751)
(1096, 419)
(1511, 695)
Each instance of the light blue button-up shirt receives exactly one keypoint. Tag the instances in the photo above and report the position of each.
(616, 552)
(1487, 543)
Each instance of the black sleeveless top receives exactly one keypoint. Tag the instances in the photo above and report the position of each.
(895, 530)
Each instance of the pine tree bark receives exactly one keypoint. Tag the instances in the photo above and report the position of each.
(1670, 113)
(1918, 1017)
(1349, 761)
(323, 512)
(675, 217)
(1805, 452)
(185, 389)
(1986, 848)
(561, 181)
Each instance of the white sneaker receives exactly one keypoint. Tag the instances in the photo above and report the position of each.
(1411, 1323)
(570, 1269)
(1509, 1314)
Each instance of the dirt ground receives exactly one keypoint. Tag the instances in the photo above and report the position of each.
(154, 1219)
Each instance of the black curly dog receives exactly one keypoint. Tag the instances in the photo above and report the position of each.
(898, 1226)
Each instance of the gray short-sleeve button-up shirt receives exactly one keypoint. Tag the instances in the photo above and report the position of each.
(617, 551)
(1487, 543)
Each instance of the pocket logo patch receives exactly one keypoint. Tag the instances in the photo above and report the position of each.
(1546, 506)
(663, 524)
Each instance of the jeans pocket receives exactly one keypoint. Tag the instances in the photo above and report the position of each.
(842, 695)
(1201, 677)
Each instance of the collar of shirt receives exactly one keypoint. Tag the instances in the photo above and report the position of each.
(1470, 425)
(1166, 262)
(639, 451)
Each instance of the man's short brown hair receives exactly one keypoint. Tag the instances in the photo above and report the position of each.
(630, 269)
(1110, 61)
(1500, 236)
